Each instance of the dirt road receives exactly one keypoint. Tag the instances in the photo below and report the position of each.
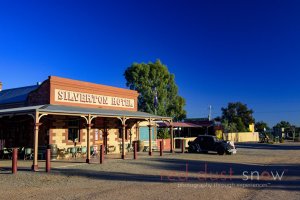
(257, 171)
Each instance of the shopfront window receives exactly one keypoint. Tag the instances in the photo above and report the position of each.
(74, 131)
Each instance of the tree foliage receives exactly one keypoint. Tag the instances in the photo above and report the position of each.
(146, 78)
(237, 115)
(229, 127)
(261, 126)
(283, 124)
(163, 133)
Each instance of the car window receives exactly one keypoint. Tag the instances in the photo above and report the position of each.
(207, 139)
(210, 140)
(197, 139)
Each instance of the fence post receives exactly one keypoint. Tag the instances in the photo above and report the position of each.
(48, 158)
(101, 154)
(135, 150)
(160, 148)
(14, 160)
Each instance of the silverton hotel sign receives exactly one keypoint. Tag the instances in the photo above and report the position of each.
(92, 99)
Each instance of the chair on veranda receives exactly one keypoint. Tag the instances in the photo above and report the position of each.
(83, 151)
(21, 152)
(66, 153)
(73, 151)
(6, 153)
(93, 151)
(28, 154)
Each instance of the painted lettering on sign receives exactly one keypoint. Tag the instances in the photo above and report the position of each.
(93, 99)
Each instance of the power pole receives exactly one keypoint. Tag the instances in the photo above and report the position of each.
(209, 115)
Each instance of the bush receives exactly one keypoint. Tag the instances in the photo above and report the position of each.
(163, 133)
(281, 140)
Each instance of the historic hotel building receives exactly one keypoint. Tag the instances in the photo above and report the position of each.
(68, 112)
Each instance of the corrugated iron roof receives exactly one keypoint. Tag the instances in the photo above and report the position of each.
(96, 111)
(179, 124)
(16, 95)
(19, 110)
(80, 110)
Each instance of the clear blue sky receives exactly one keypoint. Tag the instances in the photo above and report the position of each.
(220, 51)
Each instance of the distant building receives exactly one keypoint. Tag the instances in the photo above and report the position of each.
(192, 127)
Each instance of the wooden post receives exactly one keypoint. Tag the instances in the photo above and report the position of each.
(150, 140)
(135, 150)
(105, 141)
(48, 158)
(123, 141)
(182, 146)
(172, 140)
(137, 131)
(161, 148)
(36, 144)
(105, 137)
(14, 160)
(101, 153)
(88, 152)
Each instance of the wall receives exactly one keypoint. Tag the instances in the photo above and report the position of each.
(166, 143)
(242, 137)
(91, 89)
(144, 131)
(59, 135)
(177, 142)
(251, 127)
(40, 96)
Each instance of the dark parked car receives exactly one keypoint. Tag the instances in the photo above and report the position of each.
(205, 143)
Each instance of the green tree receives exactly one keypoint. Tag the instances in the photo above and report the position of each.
(237, 114)
(261, 126)
(163, 133)
(154, 80)
(283, 124)
(229, 127)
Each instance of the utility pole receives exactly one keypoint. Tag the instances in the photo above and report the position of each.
(155, 100)
(209, 114)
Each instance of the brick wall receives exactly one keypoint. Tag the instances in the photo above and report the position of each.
(166, 143)
(40, 96)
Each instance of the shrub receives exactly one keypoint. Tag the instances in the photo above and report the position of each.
(281, 140)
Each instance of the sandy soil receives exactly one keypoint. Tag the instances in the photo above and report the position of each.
(173, 176)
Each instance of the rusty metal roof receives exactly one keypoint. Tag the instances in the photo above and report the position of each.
(179, 124)
(59, 109)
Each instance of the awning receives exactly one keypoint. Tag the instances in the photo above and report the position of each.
(178, 124)
(58, 109)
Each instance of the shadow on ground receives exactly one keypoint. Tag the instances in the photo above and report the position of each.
(268, 146)
(179, 171)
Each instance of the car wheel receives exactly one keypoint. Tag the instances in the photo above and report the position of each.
(221, 151)
(191, 149)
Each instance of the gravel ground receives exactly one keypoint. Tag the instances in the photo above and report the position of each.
(173, 176)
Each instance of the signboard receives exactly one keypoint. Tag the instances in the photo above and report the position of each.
(96, 134)
(92, 99)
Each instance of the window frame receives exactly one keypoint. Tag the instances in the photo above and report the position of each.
(74, 131)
